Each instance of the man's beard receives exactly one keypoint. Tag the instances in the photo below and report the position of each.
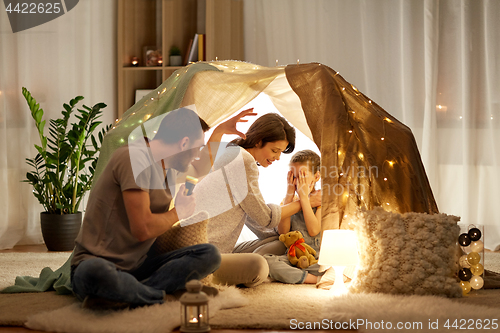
(181, 161)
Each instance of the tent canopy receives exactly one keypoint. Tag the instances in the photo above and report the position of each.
(368, 157)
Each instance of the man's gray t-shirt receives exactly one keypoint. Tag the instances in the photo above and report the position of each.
(105, 230)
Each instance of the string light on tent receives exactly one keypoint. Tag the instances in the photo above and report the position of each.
(388, 120)
(382, 139)
(391, 163)
(350, 131)
(385, 179)
(361, 156)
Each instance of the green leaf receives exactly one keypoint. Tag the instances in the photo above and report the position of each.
(93, 127)
(31, 177)
(40, 150)
(38, 115)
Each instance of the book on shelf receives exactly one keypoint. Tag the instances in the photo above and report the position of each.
(197, 49)
(188, 50)
(202, 54)
(193, 53)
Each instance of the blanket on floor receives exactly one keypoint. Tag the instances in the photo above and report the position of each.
(48, 280)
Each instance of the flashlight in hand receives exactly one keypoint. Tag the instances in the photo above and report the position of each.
(190, 184)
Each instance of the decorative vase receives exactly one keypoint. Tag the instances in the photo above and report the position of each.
(175, 60)
(60, 231)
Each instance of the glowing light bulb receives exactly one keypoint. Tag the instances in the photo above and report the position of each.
(370, 101)
(476, 282)
(340, 153)
(147, 116)
(391, 163)
(154, 132)
(388, 120)
(360, 155)
(473, 258)
(477, 269)
(350, 131)
(466, 287)
(116, 120)
(387, 203)
(385, 179)
(382, 139)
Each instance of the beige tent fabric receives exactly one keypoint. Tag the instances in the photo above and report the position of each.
(218, 94)
(369, 158)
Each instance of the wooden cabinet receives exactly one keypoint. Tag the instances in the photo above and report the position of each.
(167, 23)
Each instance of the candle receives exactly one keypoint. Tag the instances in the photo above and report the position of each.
(160, 61)
(135, 61)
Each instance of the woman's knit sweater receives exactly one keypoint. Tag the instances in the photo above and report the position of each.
(230, 195)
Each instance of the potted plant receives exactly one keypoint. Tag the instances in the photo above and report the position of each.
(63, 168)
(175, 56)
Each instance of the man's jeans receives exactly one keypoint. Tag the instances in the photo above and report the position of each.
(162, 274)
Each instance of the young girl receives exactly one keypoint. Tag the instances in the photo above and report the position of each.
(302, 177)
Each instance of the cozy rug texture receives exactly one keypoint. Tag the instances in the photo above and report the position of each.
(268, 306)
(157, 318)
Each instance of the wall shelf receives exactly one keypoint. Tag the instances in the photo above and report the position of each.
(167, 23)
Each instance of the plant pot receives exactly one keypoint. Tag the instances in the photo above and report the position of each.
(60, 231)
(175, 60)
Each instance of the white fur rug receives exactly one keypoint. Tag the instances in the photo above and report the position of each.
(377, 312)
(268, 306)
(157, 318)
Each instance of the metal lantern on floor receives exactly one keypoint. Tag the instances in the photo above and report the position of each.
(194, 309)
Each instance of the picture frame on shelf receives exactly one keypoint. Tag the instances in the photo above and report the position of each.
(151, 56)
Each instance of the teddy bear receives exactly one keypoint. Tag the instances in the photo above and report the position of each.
(299, 253)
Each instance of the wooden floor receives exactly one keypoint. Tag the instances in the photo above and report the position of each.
(42, 248)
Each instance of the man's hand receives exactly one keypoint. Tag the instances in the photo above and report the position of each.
(315, 198)
(184, 204)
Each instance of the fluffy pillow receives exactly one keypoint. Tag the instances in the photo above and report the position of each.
(412, 253)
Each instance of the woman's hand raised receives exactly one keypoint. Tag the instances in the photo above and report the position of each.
(229, 126)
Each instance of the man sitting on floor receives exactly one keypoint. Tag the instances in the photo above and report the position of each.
(128, 208)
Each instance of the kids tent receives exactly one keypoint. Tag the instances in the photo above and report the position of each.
(368, 157)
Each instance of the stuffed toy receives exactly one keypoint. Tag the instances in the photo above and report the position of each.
(299, 253)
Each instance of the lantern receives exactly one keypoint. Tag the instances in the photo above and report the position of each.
(194, 309)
